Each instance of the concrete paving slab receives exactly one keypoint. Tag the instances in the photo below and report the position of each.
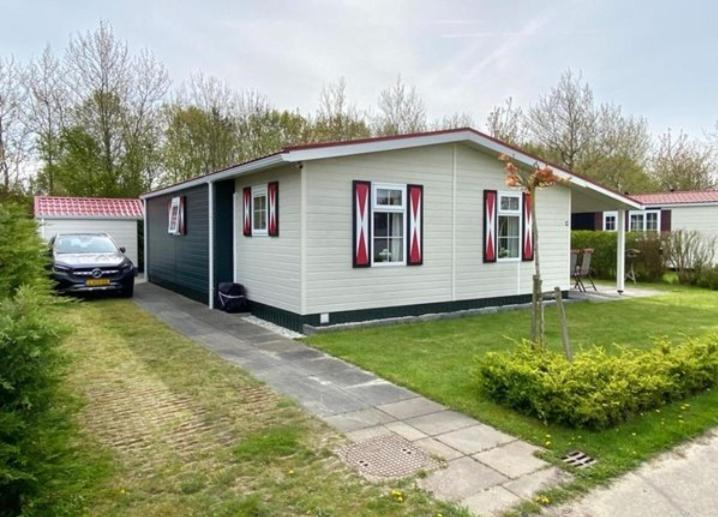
(354, 420)
(436, 448)
(380, 392)
(527, 486)
(405, 431)
(441, 422)
(411, 408)
(302, 352)
(476, 438)
(462, 478)
(514, 459)
(492, 501)
(367, 433)
(320, 365)
(348, 377)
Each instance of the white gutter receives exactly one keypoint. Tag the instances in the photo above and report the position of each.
(239, 170)
(210, 189)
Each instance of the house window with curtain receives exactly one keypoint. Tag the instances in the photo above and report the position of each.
(644, 221)
(509, 219)
(259, 210)
(388, 224)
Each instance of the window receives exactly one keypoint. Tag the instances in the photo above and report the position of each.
(388, 212)
(645, 221)
(509, 234)
(259, 210)
(174, 216)
(609, 221)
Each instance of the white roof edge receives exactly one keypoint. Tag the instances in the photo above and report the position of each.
(685, 204)
(238, 170)
(390, 144)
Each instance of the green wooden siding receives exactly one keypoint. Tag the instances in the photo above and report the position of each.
(223, 233)
(180, 262)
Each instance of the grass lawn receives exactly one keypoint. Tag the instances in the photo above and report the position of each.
(436, 359)
(177, 431)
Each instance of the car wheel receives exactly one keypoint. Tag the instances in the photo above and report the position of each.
(128, 290)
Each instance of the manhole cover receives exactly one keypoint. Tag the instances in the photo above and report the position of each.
(389, 456)
(579, 459)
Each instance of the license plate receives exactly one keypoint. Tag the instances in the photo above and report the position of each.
(94, 282)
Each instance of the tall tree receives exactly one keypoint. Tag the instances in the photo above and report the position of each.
(563, 122)
(683, 164)
(401, 110)
(117, 99)
(507, 123)
(336, 119)
(13, 130)
(46, 113)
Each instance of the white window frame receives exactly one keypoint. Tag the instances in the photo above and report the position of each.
(644, 220)
(511, 213)
(399, 209)
(173, 225)
(259, 191)
(606, 215)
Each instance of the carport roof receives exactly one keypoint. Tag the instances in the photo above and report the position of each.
(92, 207)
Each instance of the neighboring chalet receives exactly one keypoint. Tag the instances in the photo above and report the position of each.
(337, 232)
(663, 211)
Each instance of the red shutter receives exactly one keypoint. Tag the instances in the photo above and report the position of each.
(273, 199)
(490, 200)
(665, 220)
(415, 241)
(247, 211)
(528, 231)
(182, 219)
(361, 196)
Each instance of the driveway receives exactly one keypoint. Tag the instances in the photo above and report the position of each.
(681, 483)
(482, 468)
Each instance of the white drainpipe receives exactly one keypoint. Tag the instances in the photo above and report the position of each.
(621, 251)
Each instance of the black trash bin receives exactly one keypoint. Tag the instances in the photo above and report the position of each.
(232, 297)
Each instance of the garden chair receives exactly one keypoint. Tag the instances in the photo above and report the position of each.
(584, 270)
(574, 267)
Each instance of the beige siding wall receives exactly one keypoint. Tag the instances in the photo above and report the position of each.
(703, 219)
(453, 267)
(269, 267)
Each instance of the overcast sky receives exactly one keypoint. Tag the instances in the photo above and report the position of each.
(657, 58)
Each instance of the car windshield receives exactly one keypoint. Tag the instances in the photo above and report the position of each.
(84, 244)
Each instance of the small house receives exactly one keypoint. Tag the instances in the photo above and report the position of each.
(383, 227)
(116, 217)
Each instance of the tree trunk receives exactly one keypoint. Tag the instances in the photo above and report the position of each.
(537, 319)
(565, 339)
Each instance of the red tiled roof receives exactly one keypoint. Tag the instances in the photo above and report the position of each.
(695, 196)
(51, 206)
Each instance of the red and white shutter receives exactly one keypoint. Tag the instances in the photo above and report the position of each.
(415, 242)
(273, 198)
(247, 211)
(490, 211)
(527, 237)
(182, 223)
(361, 201)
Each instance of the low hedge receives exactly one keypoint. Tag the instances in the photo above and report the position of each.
(598, 389)
(650, 265)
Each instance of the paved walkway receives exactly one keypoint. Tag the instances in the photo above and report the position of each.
(485, 470)
(683, 482)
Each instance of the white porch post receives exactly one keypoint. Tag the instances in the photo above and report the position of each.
(621, 251)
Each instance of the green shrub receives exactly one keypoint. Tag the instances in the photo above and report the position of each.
(598, 389)
(28, 383)
(23, 255)
(650, 265)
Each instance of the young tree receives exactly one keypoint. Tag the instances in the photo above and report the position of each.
(507, 123)
(455, 121)
(13, 130)
(530, 181)
(401, 110)
(683, 164)
(336, 119)
(45, 114)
